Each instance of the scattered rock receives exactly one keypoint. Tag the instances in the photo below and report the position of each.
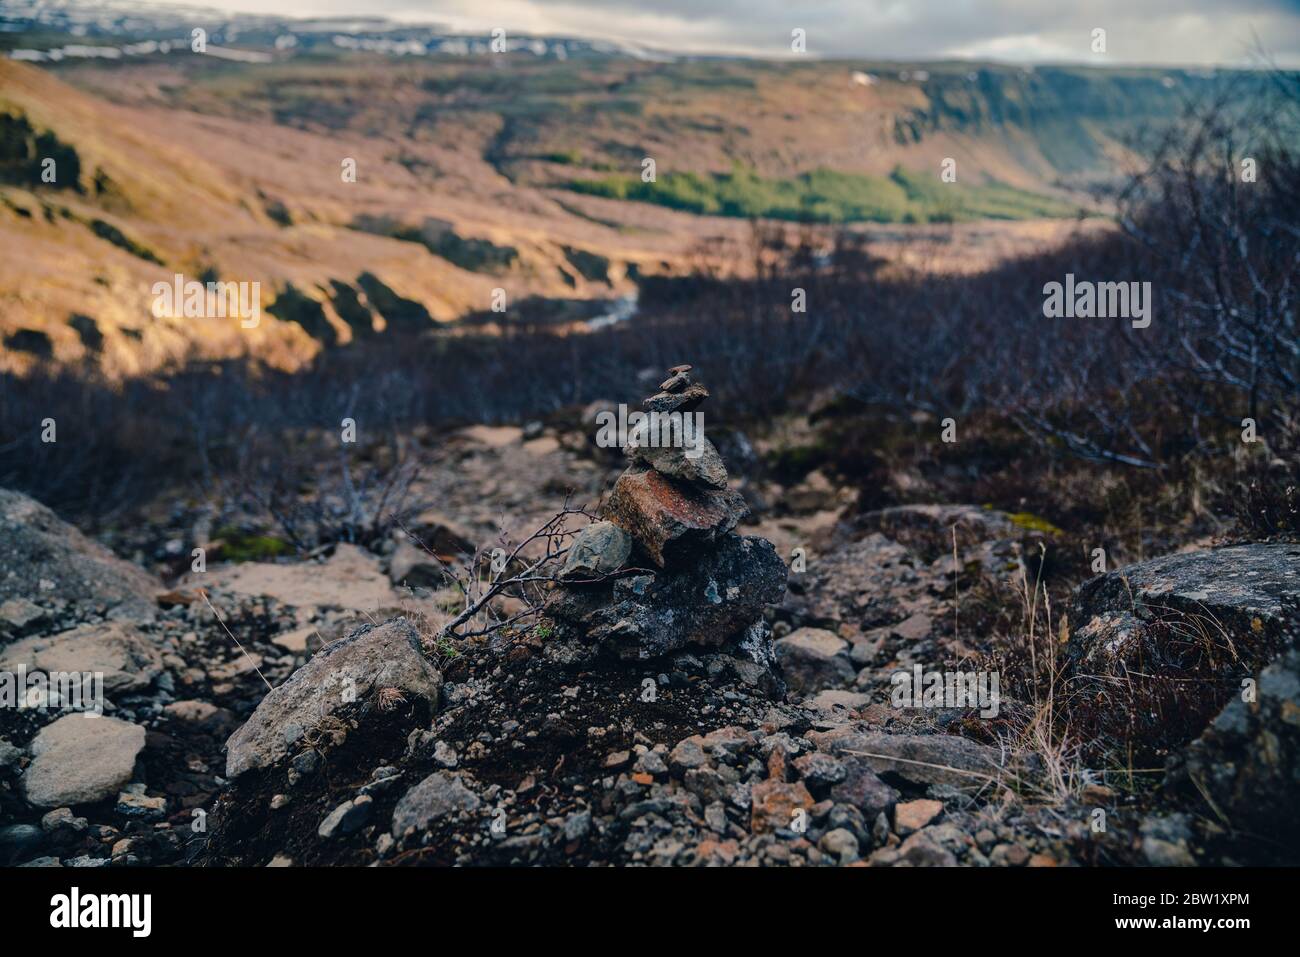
(774, 804)
(913, 628)
(19, 841)
(355, 667)
(813, 658)
(918, 758)
(9, 754)
(1165, 840)
(348, 817)
(840, 844)
(80, 759)
(820, 771)
(863, 789)
(599, 549)
(837, 700)
(431, 800)
(1009, 855)
(920, 850)
(124, 655)
(913, 815)
(134, 803)
(62, 818)
(577, 826)
(17, 614)
(192, 711)
(616, 759)
(444, 755)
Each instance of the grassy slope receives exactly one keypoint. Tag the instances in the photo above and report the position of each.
(827, 196)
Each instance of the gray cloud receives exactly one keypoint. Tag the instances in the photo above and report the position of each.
(1201, 32)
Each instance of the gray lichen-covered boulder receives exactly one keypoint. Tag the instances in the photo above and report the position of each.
(1162, 645)
(705, 602)
(347, 672)
(1245, 594)
(1246, 765)
(47, 565)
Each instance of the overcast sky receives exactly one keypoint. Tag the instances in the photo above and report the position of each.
(1219, 32)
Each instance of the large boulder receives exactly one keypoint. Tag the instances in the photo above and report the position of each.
(1162, 645)
(1242, 593)
(707, 601)
(349, 671)
(1246, 766)
(47, 563)
(670, 519)
(81, 759)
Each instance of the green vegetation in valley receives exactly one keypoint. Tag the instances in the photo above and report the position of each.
(827, 196)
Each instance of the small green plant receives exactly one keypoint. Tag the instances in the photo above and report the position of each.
(1034, 523)
(238, 546)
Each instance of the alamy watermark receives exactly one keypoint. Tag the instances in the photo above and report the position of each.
(1084, 299)
(26, 690)
(191, 299)
(653, 430)
(920, 688)
(75, 910)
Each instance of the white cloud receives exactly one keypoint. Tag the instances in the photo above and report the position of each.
(1205, 32)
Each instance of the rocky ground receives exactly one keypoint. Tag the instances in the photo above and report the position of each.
(712, 684)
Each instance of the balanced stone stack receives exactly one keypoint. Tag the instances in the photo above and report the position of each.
(665, 569)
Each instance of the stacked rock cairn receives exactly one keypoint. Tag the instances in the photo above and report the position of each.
(665, 569)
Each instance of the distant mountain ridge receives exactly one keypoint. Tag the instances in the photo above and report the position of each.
(523, 172)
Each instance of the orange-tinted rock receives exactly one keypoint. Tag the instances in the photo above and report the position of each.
(670, 519)
(773, 804)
